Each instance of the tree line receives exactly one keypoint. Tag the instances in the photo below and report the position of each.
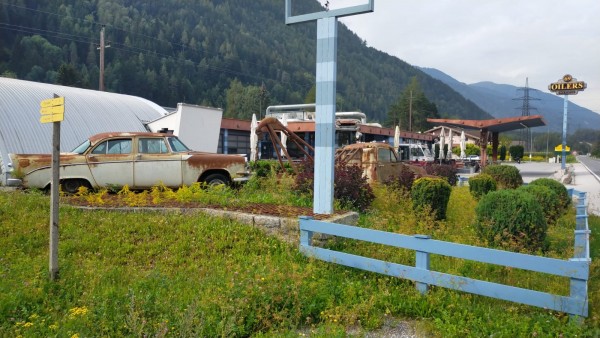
(204, 52)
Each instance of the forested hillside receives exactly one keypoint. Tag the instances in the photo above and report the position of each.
(174, 51)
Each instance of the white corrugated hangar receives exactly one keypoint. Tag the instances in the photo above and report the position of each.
(89, 112)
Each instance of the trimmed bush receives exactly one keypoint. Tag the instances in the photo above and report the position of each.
(502, 152)
(511, 219)
(433, 192)
(481, 184)
(557, 187)
(548, 200)
(350, 187)
(516, 151)
(442, 170)
(403, 181)
(506, 176)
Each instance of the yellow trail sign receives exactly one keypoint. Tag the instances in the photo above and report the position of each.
(57, 101)
(52, 110)
(52, 118)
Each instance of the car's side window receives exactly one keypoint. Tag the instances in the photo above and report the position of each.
(152, 146)
(385, 155)
(100, 149)
(121, 146)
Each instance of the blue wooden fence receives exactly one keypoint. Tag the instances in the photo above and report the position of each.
(576, 268)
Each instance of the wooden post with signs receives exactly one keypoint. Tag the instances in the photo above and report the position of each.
(52, 111)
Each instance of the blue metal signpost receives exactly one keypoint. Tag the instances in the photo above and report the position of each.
(563, 158)
(325, 96)
(565, 86)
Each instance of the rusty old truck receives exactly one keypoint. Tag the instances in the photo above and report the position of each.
(379, 161)
(139, 160)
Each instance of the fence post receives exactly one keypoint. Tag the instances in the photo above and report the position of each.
(305, 235)
(581, 218)
(422, 262)
(581, 252)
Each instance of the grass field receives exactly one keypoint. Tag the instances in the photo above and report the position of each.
(188, 275)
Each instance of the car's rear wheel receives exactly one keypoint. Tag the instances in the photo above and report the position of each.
(216, 179)
(71, 186)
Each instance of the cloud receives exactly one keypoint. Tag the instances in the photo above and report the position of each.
(504, 41)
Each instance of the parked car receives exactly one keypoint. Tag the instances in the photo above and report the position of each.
(139, 160)
(473, 158)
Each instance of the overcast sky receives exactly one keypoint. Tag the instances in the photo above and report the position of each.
(503, 41)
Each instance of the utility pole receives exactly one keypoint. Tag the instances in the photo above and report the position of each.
(525, 111)
(410, 112)
(101, 48)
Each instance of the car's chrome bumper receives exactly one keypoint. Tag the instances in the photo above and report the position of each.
(14, 182)
(241, 179)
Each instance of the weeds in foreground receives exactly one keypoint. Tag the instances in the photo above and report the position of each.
(180, 275)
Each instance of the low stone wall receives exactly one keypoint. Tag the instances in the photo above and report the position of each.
(285, 228)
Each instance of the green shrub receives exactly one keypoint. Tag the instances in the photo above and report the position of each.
(502, 152)
(442, 170)
(558, 188)
(511, 219)
(403, 181)
(351, 189)
(431, 192)
(547, 199)
(481, 184)
(516, 151)
(266, 168)
(506, 176)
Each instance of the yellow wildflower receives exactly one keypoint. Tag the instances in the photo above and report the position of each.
(78, 311)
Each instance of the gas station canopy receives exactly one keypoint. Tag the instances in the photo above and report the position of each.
(494, 125)
(492, 128)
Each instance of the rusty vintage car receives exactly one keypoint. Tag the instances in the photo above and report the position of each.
(379, 161)
(139, 160)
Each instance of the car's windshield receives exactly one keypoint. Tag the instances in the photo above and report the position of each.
(176, 145)
(80, 149)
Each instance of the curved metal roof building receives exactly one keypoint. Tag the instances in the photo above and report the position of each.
(87, 112)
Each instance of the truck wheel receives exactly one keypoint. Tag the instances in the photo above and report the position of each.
(216, 179)
(72, 186)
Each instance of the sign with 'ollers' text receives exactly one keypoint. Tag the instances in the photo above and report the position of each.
(567, 86)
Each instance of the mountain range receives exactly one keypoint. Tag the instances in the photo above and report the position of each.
(502, 100)
(192, 51)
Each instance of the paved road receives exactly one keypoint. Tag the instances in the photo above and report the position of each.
(586, 177)
(592, 164)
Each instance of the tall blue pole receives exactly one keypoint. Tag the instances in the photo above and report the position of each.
(563, 164)
(325, 96)
(325, 117)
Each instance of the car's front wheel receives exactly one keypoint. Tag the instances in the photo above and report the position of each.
(71, 186)
(216, 179)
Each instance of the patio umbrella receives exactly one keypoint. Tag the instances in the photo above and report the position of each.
(253, 139)
(283, 135)
(449, 156)
(442, 141)
(397, 137)
(463, 145)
